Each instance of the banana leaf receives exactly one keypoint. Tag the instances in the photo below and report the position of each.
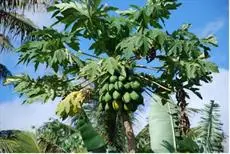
(92, 140)
(161, 126)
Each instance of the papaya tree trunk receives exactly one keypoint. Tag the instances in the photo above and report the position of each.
(184, 123)
(129, 133)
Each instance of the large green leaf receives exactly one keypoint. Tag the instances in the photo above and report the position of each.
(91, 138)
(41, 89)
(161, 126)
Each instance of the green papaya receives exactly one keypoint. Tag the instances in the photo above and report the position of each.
(107, 97)
(123, 63)
(126, 97)
(120, 84)
(101, 92)
(130, 78)
(100, 98)
(126, 107)
(105, 87)
(121, 78)
(115, 105)
(113, 79)
(127, 85)
(134, 96)
(100, 107)
(135, 85)
(116, 95)
(116, 87)
(111, 87)
(107, 107)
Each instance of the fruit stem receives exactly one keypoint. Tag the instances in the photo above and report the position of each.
(129, 132)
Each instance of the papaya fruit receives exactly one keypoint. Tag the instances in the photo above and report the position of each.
(105, 87)
(116, 87)
(115, 105)
(116, 95)
(126, 107)
(126, 97)
(120, 84)
(130, 78)
(136, 85)
(127, 86)
(107, 107)
(123, 62)
(100, 98)
(121, 78)
(111, 87)
(101, 92)
(134, 96)
(107, 97)
(101, 107)
(113, 79)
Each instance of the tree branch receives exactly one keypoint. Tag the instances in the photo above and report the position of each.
(149, 68)
(81, 52)
(163, 87)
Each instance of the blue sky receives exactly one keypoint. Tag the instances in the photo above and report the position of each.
(206, 17)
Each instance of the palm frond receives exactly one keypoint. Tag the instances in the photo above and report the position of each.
(15, 24)
(18, 141)
(211, 133)
(22, 4)
(143, 141)
(7, 145)
(5, 43)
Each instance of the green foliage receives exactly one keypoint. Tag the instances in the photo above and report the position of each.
(18, 141)
(41, 89)
(164, 130)
(143, 141)
(91, 138)
(62, 137)
(162, 126)
(80, 138)
(49, 48)
(210, 135)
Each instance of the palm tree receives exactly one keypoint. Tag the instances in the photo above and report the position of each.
(209, 133)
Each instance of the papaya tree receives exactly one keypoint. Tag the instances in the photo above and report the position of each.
(110, 71)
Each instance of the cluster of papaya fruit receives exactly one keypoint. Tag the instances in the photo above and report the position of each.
(120, 93)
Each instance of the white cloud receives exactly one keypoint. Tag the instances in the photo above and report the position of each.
(15, 115)
(212, 27)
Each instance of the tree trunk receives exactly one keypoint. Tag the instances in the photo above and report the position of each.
(129, 133)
